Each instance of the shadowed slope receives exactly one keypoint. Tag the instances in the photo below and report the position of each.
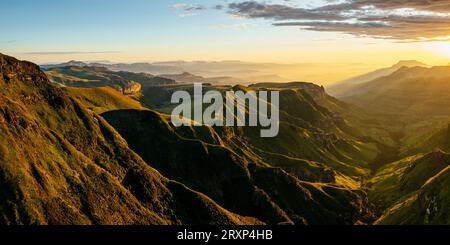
(308, 130)
(238, 180)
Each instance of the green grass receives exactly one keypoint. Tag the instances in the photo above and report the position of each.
(401, 186)
(103, 99)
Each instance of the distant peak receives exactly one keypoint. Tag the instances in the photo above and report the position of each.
(80, 63)
(409, 63)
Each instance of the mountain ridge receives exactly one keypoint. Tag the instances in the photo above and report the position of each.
(93, 76)
(343, 88)
(85, 174)
(426, 84)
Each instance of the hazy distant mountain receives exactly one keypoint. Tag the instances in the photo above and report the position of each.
(69, 63)
(265, 78)
(187, 77)
(247, 72)
(226, 72)
(414, 92)
(344, 88)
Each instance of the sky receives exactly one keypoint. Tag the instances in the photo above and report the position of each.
(373, 32)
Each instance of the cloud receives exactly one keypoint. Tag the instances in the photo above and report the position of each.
(425, 5)
(219, 7)
(188, 7)
(238, 26)
(8, 41)
(403, 20)
(185, 10)
(253, 9)
(70, 52)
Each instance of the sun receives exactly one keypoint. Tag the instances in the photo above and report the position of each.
(443, 48)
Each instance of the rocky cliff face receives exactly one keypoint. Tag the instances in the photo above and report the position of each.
(127, 83)
(130, 88)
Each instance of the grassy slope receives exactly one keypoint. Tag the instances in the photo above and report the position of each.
(403, 189)
(426, 136)
(63, 164)
(102, 99)
(426, 206)
(410, 94)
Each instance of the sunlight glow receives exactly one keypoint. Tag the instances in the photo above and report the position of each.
(443, 48)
